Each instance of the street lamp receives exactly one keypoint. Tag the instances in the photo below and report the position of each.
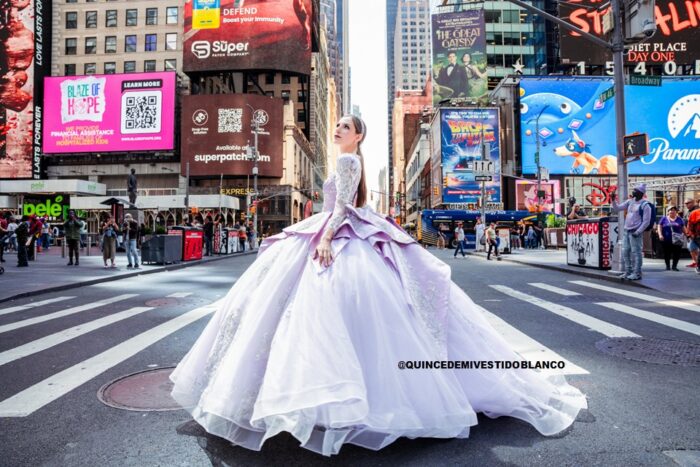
(253, 152)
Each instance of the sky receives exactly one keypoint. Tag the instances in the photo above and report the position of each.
(367, 31)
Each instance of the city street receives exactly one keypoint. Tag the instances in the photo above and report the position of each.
(58, 349)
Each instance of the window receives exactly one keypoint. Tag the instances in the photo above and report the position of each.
(89, 69)
(286, 79)
(130, 43)
(171, 41)
(301, 115)
(151, 16)
(170, 64)
(285, 96)
(110, 68)
(151, 43)
(269, 78)
(90, 45)
(90, 19)
(129, 67)
(71, 1)
(301, 95)
(171, 15)
(69, 69)
(111, 19)
(71, 46)
(149, 65)
(132, 17)
(111, 44)
(72, 20)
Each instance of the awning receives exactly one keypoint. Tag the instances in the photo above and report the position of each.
(63, 186)
(158, 202)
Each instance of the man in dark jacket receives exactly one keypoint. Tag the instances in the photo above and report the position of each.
(71, 228)
(22, 233)
(35, 226)
(208, 235)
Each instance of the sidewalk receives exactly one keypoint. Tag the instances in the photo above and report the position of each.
(685, 283)
(49, 273)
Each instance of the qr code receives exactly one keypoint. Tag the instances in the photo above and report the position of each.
(141, 112)
(230, 120)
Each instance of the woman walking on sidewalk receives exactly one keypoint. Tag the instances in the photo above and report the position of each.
(110, 231)
(670, 230)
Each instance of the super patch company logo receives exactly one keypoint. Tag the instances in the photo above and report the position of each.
(200, 117)
(683, 126)
(201, 49)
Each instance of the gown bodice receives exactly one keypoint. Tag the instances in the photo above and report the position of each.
(340, 189)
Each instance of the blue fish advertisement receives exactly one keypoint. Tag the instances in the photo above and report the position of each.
(462, 132)
(577, 130)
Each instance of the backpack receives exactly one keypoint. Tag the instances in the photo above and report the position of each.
(652, 221)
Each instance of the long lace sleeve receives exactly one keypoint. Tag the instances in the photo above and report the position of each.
(347, 178)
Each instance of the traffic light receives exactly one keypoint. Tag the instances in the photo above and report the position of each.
(436, 191)
(636, 145)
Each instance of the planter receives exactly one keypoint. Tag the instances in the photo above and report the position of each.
(555, 238)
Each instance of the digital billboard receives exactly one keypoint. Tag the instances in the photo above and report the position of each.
(25, 58)
(459, 55)
(103, 113)
(677, 37)
(526, 196)
(462, 133)
(256, 34)
(577, 130)
(217, 132)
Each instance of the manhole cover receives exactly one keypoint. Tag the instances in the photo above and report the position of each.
(146, 391)
(662, 351)
(156, 302)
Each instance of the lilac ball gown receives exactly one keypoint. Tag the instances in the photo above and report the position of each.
(313, 351)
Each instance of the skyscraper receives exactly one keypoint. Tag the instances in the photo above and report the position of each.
(334, 19)
(391, 9)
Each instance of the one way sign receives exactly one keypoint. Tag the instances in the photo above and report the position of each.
(636, 145)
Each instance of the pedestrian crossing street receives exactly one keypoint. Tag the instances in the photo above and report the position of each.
(567, 300)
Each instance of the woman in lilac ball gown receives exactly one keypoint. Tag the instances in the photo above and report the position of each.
(309, 339)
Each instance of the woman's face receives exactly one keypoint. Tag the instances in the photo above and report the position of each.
(672, 213)
(345, 136)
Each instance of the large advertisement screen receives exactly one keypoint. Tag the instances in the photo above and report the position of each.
(255, 34)
(217, 132)
(677, 37)
(459, 55)
(25, 58)
(526, 196)
(103, 113)
(462, 133)
(577, 130)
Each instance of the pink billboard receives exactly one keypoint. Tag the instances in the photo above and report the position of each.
(103, 113)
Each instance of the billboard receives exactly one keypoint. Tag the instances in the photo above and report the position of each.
(106, 113)
(526, 196)
(217, 132)
(462, 132)
(577, 130)
(25, 58)
(459, 55)
(231, 35)
(677, 37)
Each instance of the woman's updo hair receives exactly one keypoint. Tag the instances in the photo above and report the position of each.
(360, 128)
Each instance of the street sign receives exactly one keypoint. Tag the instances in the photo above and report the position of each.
(484, 168)
(544, 173)
(636, 80)
(607, 21)
(636, 145)
(483, 178)
(607, 94)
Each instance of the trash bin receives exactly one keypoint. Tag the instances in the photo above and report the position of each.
(590, 242)
(192, 241)
(226, 241)
(161, 249)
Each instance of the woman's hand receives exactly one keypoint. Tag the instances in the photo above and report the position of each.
(324, 253)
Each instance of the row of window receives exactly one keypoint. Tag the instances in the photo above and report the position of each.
(112, 18)
(110, 68)
(130, 44)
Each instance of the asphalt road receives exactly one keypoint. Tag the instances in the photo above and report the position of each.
(639, 413)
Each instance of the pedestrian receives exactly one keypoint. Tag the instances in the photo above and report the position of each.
(110, 231)
(45, 241)
(575, 211)
(693, 246)
(4, 236)
(693, 232)
(242, 237)
(670, 231)
(441, 240)
(539, 234)
(492, 240)
(480, 229)
(11, 227)
(459, 236)
(83, 233)
(71, 231)
(637, 219)
(35, 226)
(23, 242)
(130, 231)
(514, 238)
(530, 238)
(208, 232)
(250, 231)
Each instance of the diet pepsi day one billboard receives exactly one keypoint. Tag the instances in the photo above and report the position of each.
(103, 113)
(577, 130)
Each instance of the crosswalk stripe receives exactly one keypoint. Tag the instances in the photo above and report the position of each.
(595, 324)
(529, 348)
(30, 400)
(666, 321)
(62, 313)
(180, 294)
(28, 306)
(47, 342)
(640, 296)
(551, 288)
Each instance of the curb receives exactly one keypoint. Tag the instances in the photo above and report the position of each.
(75, 285)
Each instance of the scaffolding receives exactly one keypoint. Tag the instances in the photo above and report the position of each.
(684, 183)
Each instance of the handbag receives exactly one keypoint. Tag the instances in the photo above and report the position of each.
(677, 239)
(482, 240)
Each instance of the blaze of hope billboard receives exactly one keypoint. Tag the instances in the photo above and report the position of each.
(102, 113)
(461, 139)
(577, 130)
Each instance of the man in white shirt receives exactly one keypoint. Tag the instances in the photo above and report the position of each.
(459, 236)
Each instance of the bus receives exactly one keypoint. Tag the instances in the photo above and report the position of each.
(430, 222)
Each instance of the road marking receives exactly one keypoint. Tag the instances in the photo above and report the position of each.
(62, 313)
(47, 342)
(640, 296)
(530, 348)
(670, 322)
(44, 392)
(551, 288)
(7, 311)
(590, 322)
(180, 294)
